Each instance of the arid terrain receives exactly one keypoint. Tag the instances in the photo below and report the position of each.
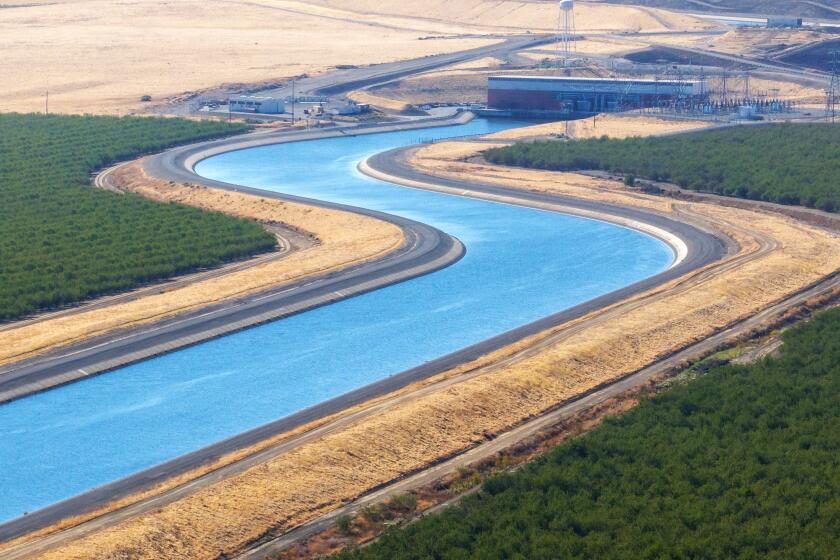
(102, 56)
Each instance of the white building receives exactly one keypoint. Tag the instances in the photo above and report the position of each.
(254, 104)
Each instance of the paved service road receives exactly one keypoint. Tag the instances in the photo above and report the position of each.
(343, 81)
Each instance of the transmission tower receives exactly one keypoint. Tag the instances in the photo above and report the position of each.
(832, 94)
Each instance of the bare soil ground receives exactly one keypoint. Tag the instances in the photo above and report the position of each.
(101, 56)
(455, 410)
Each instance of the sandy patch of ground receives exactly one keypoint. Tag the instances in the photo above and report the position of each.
(594, 46)
(614, 126)
(449, 87)
(778, 256)
(101, 56)
(380, 101)
(344, 238)
(486, 63)
(607, 47)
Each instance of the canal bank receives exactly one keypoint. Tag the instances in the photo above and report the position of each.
(169, 468)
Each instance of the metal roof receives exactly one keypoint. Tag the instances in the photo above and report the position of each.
(594, 80)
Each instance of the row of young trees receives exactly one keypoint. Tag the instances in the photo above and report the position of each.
(741, 463)
(784, 163)
(62, 241)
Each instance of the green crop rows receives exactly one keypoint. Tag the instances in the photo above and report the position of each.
(785, 163)
(62, 241)
(741, 463)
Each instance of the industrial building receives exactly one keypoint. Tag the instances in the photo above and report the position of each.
(783, 21)
(254, 104)
(553, 96)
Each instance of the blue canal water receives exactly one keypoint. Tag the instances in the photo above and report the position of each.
(521, 265)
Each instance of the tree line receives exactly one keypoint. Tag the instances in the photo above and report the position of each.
(62, 241)
(784, 163)
(743, 462)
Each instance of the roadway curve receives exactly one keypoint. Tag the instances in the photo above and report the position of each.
(426, 249)
(343, 81)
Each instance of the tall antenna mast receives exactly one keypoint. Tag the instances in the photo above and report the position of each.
(832, 94)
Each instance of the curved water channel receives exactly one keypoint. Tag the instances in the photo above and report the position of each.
(521, 264)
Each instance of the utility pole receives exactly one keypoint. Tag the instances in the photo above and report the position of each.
(293, 102)
(47, 103)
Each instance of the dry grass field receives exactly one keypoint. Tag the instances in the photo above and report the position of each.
(612, 125)
(527, 15)
(459, 408)
(101, 56)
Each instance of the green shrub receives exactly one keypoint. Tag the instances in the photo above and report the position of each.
(403, 503)
(345, 524)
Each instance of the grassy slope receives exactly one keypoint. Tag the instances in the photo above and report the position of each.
(742, 463)
(62, 241)
(786, 163)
